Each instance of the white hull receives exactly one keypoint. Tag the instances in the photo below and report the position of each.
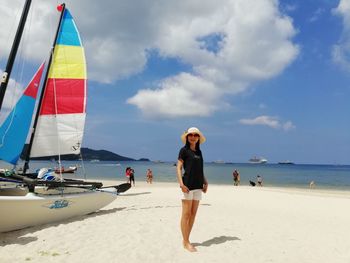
(13, 191)
(257, 160)
(17, 212)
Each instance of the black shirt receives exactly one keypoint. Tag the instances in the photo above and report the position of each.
(193, 177)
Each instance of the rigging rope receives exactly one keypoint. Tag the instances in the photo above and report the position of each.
(19, 69)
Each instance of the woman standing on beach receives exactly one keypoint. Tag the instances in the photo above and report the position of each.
(192, 182)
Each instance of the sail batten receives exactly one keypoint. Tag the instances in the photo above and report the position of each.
(62, 114)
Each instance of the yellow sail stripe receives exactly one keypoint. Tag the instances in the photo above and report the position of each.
(68, 63)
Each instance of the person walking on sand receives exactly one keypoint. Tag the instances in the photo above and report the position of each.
(192, 182)
(259, 180)
(149, 176)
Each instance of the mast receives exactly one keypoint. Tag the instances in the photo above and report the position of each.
(61, 9)
(6, 75)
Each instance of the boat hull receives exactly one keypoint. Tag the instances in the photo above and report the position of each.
(256, 160)
(19, 212)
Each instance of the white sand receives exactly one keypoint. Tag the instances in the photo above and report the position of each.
(234, 224)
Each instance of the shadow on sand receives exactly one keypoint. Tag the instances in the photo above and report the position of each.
(18, 236)
(216, 241)
(158, 206)
(143, 193)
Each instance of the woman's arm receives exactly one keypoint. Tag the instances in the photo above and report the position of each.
(179, 176)
(205, 185)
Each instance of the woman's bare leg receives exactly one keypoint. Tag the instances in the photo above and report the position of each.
(187, 223)
(194, 208)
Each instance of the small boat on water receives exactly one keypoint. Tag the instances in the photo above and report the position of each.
(286, 162)
(257, 160)
(63, 170)
(219, 161)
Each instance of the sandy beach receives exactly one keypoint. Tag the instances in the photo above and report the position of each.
(234, 224)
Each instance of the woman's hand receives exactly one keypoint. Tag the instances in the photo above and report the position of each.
(184, 188)
(205, 187)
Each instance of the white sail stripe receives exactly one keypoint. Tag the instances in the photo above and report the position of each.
(68, 135)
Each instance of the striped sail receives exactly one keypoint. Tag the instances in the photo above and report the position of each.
(14, 130)
(62, 115)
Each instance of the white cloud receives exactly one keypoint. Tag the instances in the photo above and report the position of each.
(343, 10)
(13, 92)
(38, 34)
(178, 96)
(341, 50)
(254, 44)
(316, 15)
(252, 41)
(290, 8)
(340, 55)
(272, 122)
(288, 126)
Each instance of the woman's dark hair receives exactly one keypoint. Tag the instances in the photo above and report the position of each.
(188, 144)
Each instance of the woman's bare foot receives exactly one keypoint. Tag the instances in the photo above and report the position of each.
(189, 247)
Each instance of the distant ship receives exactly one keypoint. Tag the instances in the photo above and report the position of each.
(219, 161)
(256, 160)
(286, 162)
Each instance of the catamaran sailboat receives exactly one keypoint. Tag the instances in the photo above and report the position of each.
(58, 129)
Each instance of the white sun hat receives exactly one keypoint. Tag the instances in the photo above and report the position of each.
(193, 130)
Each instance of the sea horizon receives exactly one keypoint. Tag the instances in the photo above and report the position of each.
(325, 176)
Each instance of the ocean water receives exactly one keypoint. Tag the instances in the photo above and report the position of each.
(299, 176)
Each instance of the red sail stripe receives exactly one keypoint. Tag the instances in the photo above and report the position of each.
(32, 88)
(70, 96)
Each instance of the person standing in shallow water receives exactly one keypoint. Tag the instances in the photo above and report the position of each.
(192, 182)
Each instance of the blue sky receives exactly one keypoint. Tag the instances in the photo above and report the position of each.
(259, 77)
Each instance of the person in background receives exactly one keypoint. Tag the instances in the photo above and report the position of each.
(149, 176)
(132, 176)
(127, 174)
(312, 184)
(236, 178)
(192, 182)
(259, 180)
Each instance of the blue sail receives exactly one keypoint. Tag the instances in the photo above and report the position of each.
(15, 128)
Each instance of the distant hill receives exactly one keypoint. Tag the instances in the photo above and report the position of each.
(87, 154)
(103, 155)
